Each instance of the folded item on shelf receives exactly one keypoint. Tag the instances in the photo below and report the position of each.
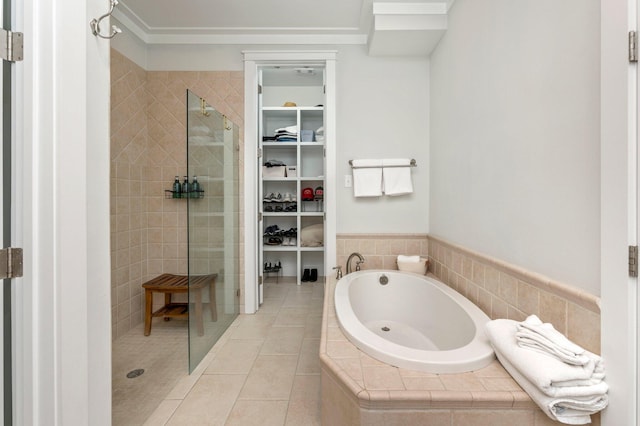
(312, 236)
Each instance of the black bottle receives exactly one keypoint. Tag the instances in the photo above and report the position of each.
(175, 191)
(195, 187)
(185, 187)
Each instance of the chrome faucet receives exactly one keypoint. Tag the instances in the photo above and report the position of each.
(358, 262)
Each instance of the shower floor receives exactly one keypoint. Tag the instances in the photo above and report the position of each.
(162, 355)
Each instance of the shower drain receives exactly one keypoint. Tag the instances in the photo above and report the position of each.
(385, 329)
(135, 373)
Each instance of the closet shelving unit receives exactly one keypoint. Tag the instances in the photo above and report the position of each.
(307, 154)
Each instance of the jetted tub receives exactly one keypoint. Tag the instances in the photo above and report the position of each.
(413, 321)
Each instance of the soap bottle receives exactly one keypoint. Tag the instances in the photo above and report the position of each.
(195, 187)
(185, 188)
(175, 191)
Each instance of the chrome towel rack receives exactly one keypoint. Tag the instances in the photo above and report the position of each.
(412, 163)
(95, 23)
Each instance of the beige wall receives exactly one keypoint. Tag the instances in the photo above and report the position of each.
(148, 148)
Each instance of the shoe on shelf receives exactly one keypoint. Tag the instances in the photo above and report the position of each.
(269, 198)
(319, 193)
(306, 275)
(274, 241)
(287, 198)
(313, 277)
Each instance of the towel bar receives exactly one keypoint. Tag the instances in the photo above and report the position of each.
(412, 164)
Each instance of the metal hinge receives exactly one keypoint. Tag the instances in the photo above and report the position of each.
(633, 261)
(324, 89)
(259, 89)
(10, 263)
(259, 216)
(260, 280)
(238, 292)
(259, 152)
(633, 46)
(11, 46)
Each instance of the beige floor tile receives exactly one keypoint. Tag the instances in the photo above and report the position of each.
(255, 327)
(292, 316)
(303, 412)
(283, 341)
(235, 357)
(270, 378)
(164, 411)
(210, 401)
(309, 361)
(258, 413)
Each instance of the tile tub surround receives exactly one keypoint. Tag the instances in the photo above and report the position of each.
(503, 290)
(359, 390)
(379, 250)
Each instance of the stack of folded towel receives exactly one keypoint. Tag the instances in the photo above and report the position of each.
(563, 379)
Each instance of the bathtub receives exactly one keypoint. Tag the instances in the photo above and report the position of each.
(413, 321)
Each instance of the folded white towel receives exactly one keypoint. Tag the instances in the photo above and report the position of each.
(408, 259)
(543, 337)
(367, 178)
(397, 179)
(567, 410)
(552, 376)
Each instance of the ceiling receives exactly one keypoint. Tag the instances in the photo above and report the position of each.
(270, 21)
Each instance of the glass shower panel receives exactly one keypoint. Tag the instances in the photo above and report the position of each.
(213, 225)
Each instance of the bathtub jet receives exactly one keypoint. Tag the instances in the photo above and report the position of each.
(413, 321)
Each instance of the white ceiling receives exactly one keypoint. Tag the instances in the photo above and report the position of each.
(254, 21)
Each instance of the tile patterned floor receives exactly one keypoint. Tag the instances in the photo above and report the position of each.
(264, 370)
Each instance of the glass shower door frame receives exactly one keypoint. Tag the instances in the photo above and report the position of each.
(212, 225)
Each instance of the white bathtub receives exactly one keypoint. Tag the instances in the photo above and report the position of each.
(413, 322)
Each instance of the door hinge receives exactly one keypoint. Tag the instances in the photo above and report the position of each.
(633, 46)
(259, 89)
(10, 263)
(633, 261)
(259, 152)
(238, 292)
(259, 216)
(260, 279)
(11, 46)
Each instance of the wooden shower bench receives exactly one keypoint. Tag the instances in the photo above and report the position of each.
(170, 284)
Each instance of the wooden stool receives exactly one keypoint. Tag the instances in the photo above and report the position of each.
(170, 284)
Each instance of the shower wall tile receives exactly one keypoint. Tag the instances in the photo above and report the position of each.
(503, 290)
(148, 128)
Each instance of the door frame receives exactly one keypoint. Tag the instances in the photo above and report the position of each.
(252, 60)
(62, 322)
(619, 211)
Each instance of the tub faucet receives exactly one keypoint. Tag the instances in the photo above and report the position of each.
(339, 271)
(358, 262)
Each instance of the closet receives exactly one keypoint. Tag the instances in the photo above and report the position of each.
(290, 122)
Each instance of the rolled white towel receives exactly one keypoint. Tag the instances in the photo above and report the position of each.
(408, 259)
(552, 376)
(543, 337)
(574, 410)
